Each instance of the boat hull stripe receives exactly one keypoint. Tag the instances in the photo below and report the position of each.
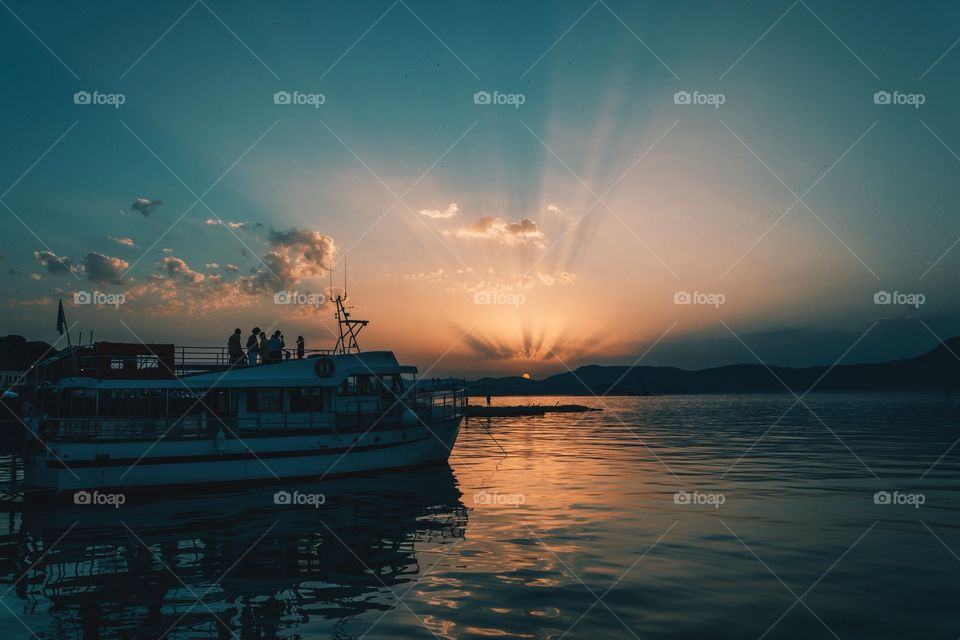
(226, 457)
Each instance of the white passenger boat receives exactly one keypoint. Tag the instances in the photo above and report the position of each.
(122, 416)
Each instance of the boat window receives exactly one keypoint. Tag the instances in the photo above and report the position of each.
(259, 400)
(306, 399)
(49, 401)
(78, 403)
(367, 385)
(182, 403)
(123, 403)
(219, 402)
(359, 385)
(156, 403)
(390, 385)
(349, 386)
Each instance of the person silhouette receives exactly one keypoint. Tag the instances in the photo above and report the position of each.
(233, 347)
(300, 348)
(253, 344)
(275, 347)
(264, 351)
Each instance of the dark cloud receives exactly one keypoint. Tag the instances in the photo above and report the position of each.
(54, 264)
(101, 268)
(177, 269)
(145, 206)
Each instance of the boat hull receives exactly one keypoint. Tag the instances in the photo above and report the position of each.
(256, 458)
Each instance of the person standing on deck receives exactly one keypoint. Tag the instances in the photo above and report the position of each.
(300, 348)
(263, 347)
(253, 345)
(234, 348)
(275, 347)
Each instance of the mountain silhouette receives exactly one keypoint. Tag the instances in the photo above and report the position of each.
(936, 370)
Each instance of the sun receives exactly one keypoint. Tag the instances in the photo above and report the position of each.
(525, 376)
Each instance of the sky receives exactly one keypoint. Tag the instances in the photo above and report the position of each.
(514, 187)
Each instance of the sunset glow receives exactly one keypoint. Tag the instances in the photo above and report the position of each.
(536, 233)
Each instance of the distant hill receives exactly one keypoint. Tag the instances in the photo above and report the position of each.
(936, 370)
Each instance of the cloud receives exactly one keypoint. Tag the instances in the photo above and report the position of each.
(512, 233)
(452, 209)
(552, 208)
(127, 242)
(437, 275)
(54, 264)
(297, 254)
(177, 269)
(146, 206)
(238, 226)
(176, 289)
(101, 268)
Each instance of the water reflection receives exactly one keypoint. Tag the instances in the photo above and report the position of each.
(224, 565)
(562, 509)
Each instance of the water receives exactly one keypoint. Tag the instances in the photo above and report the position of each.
(573, 532)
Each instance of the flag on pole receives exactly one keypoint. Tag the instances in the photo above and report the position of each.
(61, 319)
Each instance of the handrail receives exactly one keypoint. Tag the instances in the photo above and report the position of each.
(183, 359)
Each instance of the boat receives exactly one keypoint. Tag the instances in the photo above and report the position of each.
(125, 416)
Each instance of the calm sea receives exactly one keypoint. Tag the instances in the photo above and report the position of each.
(663, 517)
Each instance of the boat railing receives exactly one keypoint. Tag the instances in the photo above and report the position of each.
(155, 361)
(194, 359)
(437, 404)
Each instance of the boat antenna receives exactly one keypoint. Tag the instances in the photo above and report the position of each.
(349, 328)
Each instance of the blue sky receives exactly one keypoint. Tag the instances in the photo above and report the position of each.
(690, 195)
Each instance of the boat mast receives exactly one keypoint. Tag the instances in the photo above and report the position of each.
(348, 327)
